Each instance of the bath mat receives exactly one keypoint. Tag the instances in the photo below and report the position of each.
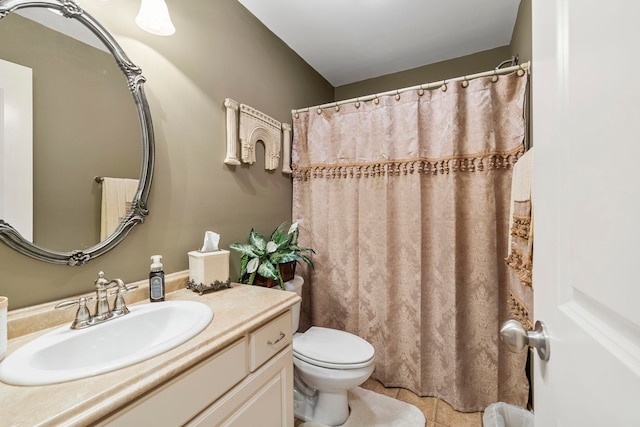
(376, 410)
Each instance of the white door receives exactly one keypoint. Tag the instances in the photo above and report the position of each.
(16, 151)
(586, 133)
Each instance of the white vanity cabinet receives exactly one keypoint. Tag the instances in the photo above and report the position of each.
(248, 383)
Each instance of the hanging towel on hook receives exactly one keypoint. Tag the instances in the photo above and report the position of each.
(520, 248)
(117, 195)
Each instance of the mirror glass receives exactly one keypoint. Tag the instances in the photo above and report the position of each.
(86, 124)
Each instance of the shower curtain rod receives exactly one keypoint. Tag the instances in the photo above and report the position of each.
(496, 72)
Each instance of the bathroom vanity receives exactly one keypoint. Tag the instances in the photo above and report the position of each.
(238, 371)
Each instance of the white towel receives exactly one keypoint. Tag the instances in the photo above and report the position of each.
(521, 183)
(520, 251)
(117, 195)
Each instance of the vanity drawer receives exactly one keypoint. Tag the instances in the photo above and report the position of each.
(176, 401)
(265, 342)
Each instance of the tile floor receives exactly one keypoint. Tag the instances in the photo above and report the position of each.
(437, 412)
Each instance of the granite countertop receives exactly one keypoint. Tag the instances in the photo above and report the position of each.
(237, 311)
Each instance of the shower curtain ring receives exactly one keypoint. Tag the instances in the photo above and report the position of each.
(397, 95)
(376, 100)
(337, 107)
(421, 91)
(520, 71)
(465, 82)
(357, 103)
(495, 76)
(444, 86)
(319, 111)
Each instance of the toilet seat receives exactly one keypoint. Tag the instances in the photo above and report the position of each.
(333, 349)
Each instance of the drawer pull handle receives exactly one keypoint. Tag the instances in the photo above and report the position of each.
(282, 335)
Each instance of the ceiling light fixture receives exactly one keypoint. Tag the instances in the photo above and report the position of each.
(154, 18)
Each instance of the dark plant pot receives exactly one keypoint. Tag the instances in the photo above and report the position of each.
(287, 271)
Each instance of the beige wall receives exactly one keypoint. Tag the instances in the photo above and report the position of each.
(219, 50)
(521, 45)
(521, 38)
(470, 64)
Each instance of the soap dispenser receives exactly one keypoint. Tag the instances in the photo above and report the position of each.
(156, 279)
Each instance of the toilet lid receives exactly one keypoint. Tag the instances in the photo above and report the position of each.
(327, 347)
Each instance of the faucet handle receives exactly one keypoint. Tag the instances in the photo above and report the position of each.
(83, 316)
(119, 306)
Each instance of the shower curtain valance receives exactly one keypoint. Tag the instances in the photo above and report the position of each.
(445, 117)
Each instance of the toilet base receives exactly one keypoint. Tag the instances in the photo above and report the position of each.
(330, 408)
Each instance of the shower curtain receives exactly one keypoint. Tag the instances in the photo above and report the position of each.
(405, 200)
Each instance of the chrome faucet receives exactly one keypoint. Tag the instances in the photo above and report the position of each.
(102, 312)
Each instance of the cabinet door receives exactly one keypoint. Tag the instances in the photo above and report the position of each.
(265, 408)
(264, 398)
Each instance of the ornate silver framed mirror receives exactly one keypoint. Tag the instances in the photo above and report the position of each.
(108, 146)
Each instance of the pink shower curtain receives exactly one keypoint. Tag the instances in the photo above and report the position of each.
(406, 202)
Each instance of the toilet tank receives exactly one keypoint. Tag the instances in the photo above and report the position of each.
(295, 285)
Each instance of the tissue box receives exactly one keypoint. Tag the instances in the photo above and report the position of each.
(208, 267)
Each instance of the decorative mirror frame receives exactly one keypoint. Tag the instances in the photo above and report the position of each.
(138, 212)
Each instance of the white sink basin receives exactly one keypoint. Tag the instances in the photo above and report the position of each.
(66, 354)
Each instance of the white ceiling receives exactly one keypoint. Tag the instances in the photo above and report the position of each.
(352, 40)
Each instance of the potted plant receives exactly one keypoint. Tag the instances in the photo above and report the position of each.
(271, 262)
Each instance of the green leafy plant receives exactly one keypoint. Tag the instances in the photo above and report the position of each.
(261, 256)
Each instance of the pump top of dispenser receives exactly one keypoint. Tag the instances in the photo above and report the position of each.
(156, 263)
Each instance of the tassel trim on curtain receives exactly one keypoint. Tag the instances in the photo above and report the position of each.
(445, 165)
(523, 266)
(520, 312)
(521, 226)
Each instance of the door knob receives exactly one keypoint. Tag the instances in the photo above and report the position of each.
(516, 338)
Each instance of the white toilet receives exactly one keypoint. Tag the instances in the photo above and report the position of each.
(327, 363)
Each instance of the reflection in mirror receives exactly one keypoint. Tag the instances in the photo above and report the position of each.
(16, 147)
(84, 125)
